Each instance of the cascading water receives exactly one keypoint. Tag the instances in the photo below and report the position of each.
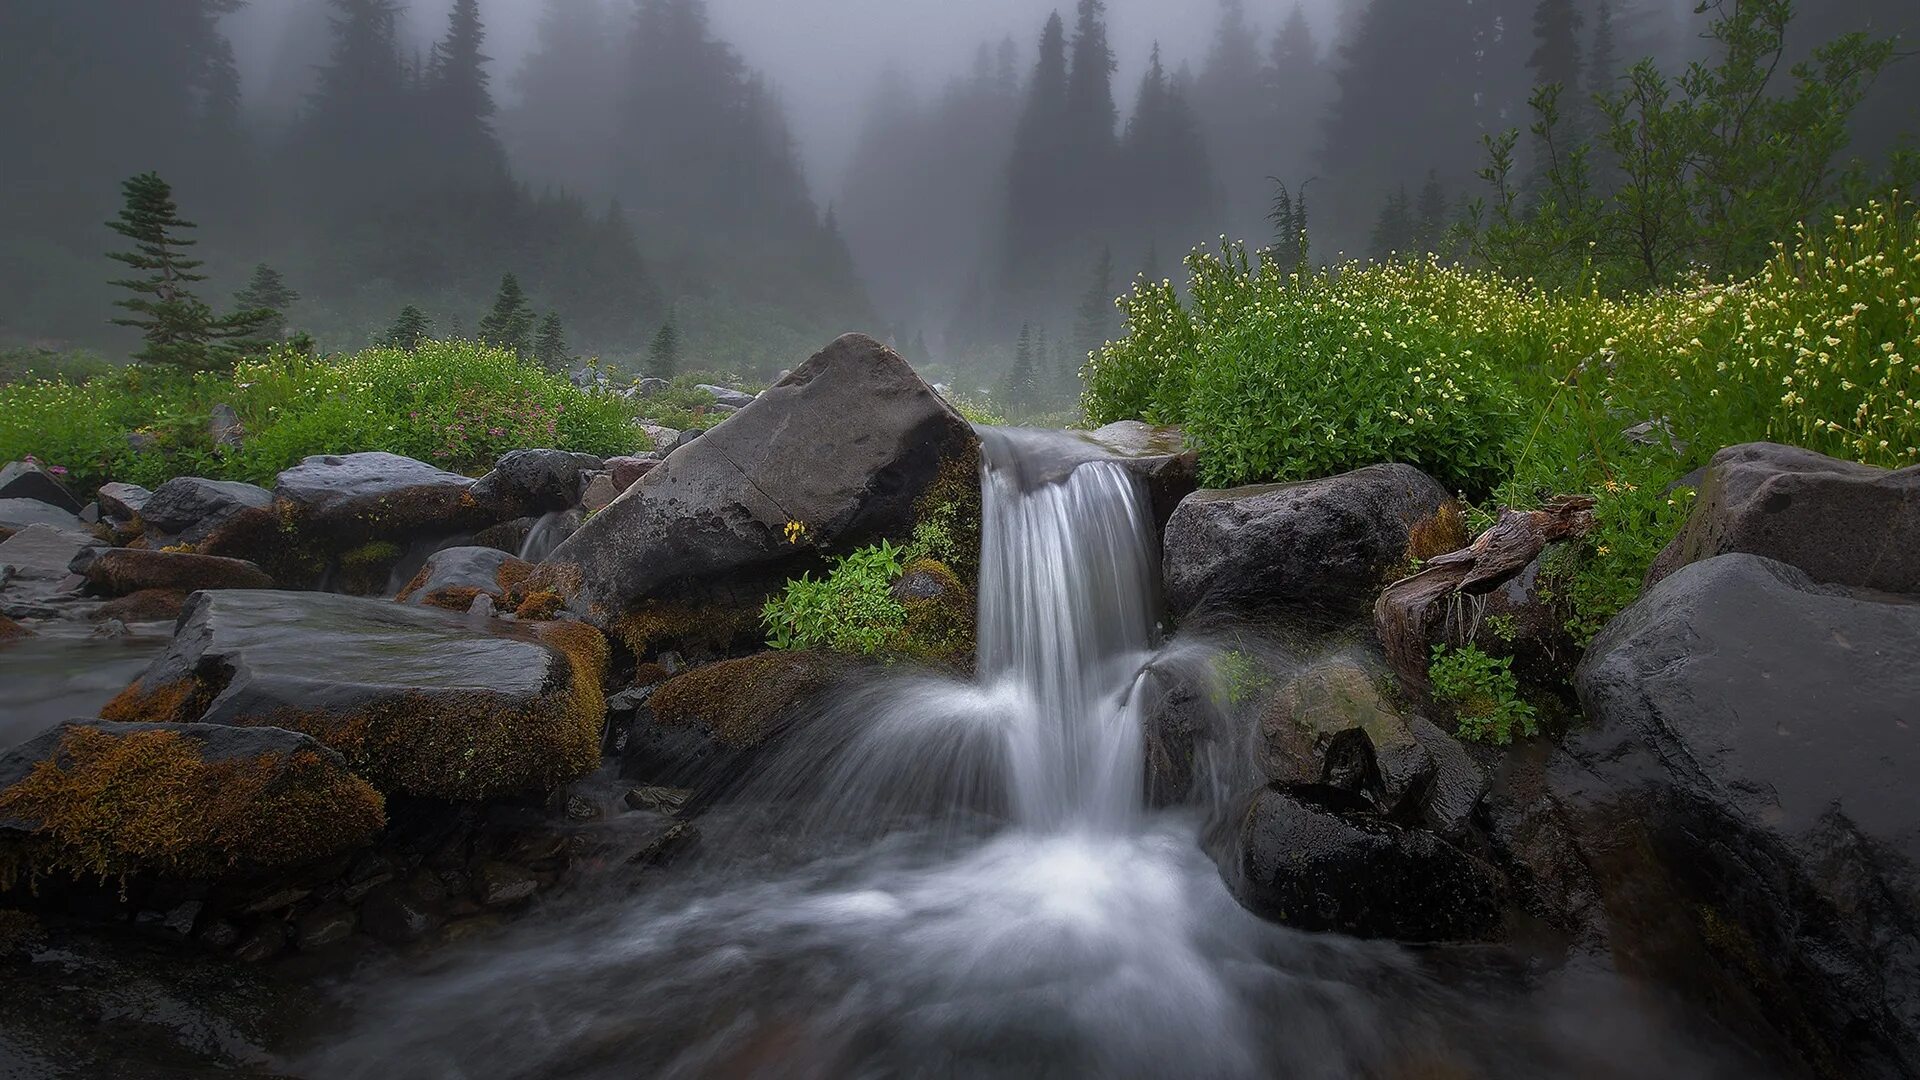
(940, 877)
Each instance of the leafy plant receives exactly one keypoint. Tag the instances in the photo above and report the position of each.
(852, 609)
(1484, 694)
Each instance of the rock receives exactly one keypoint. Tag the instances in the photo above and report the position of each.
(454, 578)
(1314, 860)
(1319, 548)
(122, 571)
(1840, 523)
(674, 842)
(266, 940)
(328, 924)
(419, 701)
(122, 502)
(147, 605)
(110, 628)
(650, 387)
(727, 397)
(659, 800)
(528, 483)
(699, 729)
(395, 914)
(44, 552)
(846, 446)
(627, 471)
(499, 884)
(600, 493)
(187, 509)
(663, 439)
(482, 607)
(200, 801)
(180, 919)
(17, 514)
(685, 438)
(1157, 455)
(1330, 725)
(354, 498)
(28, 480)
(12, 631)
(1743, 794)
(225, 429)
(1457, 785)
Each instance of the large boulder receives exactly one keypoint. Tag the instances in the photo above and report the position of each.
(417, 700)
(1315, 859)
(122, 571)
(17, 514)
(187, 509)
(1317, 548)
(528, 483)
(121, 503)
(1332, 724)
(28, 480)
(454, 577)
(353, 498)
(699, 729)
(838, 454)
(1744, 797)
(1839, 522)
(45, 553)
(100, 799)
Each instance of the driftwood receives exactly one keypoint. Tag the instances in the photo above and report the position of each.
(1409, 610)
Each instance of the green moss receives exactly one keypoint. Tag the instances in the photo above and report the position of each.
(938, 629)
(742, 702)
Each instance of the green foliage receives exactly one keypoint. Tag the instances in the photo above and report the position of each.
(177, 328)
(1484, 694)
(20, 365)
(408, 329)
(663, 354)
(683, 406)
(1239, 677)
(975, 410)
(852, 609)
(509, 325)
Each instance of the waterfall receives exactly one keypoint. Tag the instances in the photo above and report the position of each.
(548, 533)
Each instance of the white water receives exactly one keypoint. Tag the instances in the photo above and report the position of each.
(957, 878)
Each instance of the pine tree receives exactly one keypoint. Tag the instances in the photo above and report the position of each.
(1093, 323)
(1166, 170)
(460, 104)
(1230, 100)
(550, 344)
(509, 325)
(409, 329)
(664, 353)
(267, 292)
(1430, 217)
(1556, 52)
(1393, 231)
(178, 328)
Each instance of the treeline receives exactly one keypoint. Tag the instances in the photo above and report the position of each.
(391, 186)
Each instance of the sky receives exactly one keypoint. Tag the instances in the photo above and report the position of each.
(825, 57)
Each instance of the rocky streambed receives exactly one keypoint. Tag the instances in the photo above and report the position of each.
(350, 777)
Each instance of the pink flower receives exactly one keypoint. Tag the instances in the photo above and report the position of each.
(57, 470)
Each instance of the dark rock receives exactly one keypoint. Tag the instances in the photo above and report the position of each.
(1840, 523)
(1743, 796)
(846, 446)
(1457, 785)
(145, 606)
(728, 397)
(44, 553)
(528, 483)
(659, 800)
(498, 884)
(231, 800)
(121, 571)
(1330, 724)
(187, 509)
(17, 514)
(1316, 548)
(266, 940)
(699, 729)
(650, 387)
(354, 498)
(663, 849)
(110, 628)
(181, 918)
(395, 914)
(26, 480)
(328, 924)
(225, 429)
(1311, 859)
(12, 631)
(419, 700)
(453, 578)
(220, 934)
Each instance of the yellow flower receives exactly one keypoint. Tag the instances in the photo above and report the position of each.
(796, 532)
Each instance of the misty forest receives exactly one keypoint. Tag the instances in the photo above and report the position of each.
(1122, 538)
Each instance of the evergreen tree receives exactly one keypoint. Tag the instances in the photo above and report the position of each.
(460, 103)
(177, 327)
(1093, 323)
(1288, 215)
(1556, 52)
(1393, 231)
(1430, 217)
(550, 344)
(663, 354)
(1230, 101)
(509, 325)
(561, 127)
(408, 330)
(267, 292)
(1038, 185)
(357, 132)
(1166, 170)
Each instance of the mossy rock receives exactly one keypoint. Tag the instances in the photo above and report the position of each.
(12, 631)
(123, 571)
(93, 798)
(940, 614)
(1332, 724)
(700, 728)
(417, 700)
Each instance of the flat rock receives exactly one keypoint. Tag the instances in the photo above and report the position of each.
(355, 497)
(727, 396)
(1157, 455)
(418, 700)
(122, 571)
(453, 578)
(26, 480)
(17, 514)
(1837, 521)
(187, 509)
(44, 552)
(1321, 547)
(528, 483)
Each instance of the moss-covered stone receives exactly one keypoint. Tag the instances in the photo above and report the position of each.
(147, 605)
(940, 614)
(12, 631)
(741, 703)
(701, 630)
(106, 800)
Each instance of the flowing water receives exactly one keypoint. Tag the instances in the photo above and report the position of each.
(65, 673)
(939, 878)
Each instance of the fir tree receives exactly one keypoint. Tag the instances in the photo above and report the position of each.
(1093, 323)
(1393, 231)
(177, 327)
(409, 329)
(663, 354)
(1556, 52)
(461, 105)
(267, 292)
(1288, 215)
(509, 325)
(550, 344)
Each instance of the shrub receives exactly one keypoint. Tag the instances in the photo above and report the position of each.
(852, 609)
(1484, 694)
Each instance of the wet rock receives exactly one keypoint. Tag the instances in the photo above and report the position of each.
(663, 849)
(600, 493)
(17, 514)
(726, 396)
(1177, 717)
(1457, 785)
(180, 920)
(1157, 455)
(328, 924)
(421, 701)
(661, 439)
(1319, 548)
(43, 553)
(195, 801)
(628, 471)
(122, 502)
(123, 571)
(1743, 795)
(846, 446)
(187, 509)
(110, 628)
(393, 913)
(1314, 859)
(27, 480)
(1838, 522)
(659, 800)
(499, 884)
(145, 606)
(454, 578)
(225, 429)
(482, 607)
(12, 631)
(699, 729)
(528, 483)
(266, 940)
(354, 498)
(1331, 724)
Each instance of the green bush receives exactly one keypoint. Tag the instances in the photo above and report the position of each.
(852, 609)
(1484, 695)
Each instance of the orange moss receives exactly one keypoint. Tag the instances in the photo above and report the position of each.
(419, 582)
(659, 625)
(180, 702)
(742, 702)
(109, 805)
(540, 605)
(12, 631)
(513, 574)
(147, 605)
(1441, 533)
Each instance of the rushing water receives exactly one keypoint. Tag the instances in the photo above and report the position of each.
(940, 878)
(64, 672)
